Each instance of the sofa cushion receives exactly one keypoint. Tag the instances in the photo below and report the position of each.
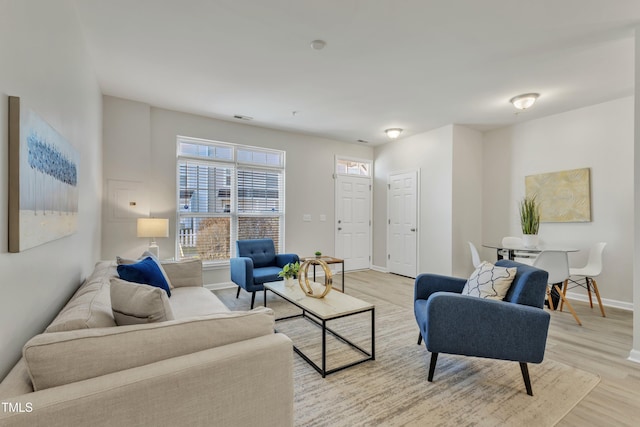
(90, 306)
(489, 281)
(193, 301)
(146, 271)
(187, 272)
(61, 358)
(134, 303)
(145, 254)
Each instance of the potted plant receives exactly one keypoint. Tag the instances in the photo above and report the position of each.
(318, 254)
(289, 272)
(530, 221)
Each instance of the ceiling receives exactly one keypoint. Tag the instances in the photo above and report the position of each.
(413, 64)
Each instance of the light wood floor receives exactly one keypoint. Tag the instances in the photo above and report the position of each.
(600, 346)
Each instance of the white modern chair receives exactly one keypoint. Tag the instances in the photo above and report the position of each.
(556, 263)
(475, 256)
(585, 276)
(518, 256)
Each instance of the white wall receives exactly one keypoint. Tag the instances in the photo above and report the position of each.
(467, 197)
(44, 62)
(309, 173)
(432, 154)
(599, 137)
(635, 352)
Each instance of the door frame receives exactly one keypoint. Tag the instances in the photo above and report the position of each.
(335, 201)
(418, 217)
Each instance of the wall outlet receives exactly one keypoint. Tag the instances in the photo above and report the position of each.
(306, 217)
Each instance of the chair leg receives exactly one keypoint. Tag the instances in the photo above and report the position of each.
(549, 299)
(419, 338)
(525, 377)
(595, 289)
(238, 293)
(253, 298)
(573, 312)
(432, 366)
(564, 292)
(589, 291)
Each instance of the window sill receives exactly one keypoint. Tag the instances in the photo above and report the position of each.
(211, 266)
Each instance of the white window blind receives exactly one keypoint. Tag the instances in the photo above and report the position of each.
(221, 200)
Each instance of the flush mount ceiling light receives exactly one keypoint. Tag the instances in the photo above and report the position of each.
(393, 133)
(524, 101)
(318, 44)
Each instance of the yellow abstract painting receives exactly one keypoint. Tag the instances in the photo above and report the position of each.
(563, 196)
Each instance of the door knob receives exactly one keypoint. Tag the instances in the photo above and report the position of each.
(339, 228)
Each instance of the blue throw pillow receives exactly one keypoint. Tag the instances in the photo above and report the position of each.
(146, 272)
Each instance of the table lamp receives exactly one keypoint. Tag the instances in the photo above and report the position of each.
(153, 227)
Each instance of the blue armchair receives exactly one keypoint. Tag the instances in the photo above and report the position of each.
(256, 263)
(513, 329)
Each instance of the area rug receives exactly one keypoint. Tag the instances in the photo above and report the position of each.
(393, 390)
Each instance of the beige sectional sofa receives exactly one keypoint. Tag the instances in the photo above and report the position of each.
(208, 367)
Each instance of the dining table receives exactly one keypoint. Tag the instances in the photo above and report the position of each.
(513, 251)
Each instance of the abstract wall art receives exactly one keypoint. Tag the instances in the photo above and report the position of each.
(43, 180)
(563, 196)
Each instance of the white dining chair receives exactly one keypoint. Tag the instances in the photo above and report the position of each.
(556, 263)
(475, 256)
(584, 276)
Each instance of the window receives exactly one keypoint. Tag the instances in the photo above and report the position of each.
(353, 167)
(227, 192)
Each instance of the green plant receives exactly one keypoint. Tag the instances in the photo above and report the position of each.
(318, 253)
(290, 271)
(529, 215)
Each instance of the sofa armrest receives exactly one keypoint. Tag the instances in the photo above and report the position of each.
(199, 389)
(59, 358)
(241, 269)
(485, 328)
(427, 284)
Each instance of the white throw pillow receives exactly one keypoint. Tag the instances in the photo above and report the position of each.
(490, 281)
(134, 303)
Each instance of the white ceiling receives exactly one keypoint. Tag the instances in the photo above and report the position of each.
(414, 64)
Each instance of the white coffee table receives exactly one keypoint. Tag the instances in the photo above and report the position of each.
(334, 305)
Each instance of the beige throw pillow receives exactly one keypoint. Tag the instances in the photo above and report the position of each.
(490, 281)
(134, 303)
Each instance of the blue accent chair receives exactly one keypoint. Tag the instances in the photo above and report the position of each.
(256, 263)
(514, 329)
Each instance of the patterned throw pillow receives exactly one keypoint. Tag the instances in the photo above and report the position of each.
(490, 281)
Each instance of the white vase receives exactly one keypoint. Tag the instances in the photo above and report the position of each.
(530, 240)
(289, 282)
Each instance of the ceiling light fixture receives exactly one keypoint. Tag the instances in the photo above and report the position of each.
(522, 102)
(393, 133)
(318, 44)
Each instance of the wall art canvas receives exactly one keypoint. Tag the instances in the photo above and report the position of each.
(43, 180)
(563, 196)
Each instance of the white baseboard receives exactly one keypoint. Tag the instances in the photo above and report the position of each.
(634, 356)
(222, 285)
(379, 269)
(606, 302)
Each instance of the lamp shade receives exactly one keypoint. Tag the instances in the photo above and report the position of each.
(153, 227)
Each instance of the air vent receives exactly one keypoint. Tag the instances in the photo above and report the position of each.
(241, 117)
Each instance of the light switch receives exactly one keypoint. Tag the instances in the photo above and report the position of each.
(323, 217)
(306, 217)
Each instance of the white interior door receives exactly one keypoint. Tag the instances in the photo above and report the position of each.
(353, 221)
(402, 225)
